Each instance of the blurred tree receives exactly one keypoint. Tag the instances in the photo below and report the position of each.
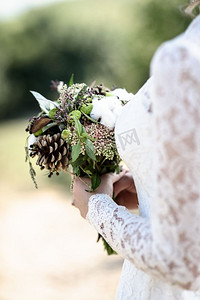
(112, 42)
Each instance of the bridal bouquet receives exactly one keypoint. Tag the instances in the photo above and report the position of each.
(75, 133)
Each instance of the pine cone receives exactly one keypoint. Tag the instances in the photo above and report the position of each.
(52, 151)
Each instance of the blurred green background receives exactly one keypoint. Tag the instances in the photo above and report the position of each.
(108, 41)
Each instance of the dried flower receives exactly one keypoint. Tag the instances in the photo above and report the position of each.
(104, 140)
(60, 86)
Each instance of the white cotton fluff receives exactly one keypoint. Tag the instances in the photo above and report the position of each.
(97, 109)
(122, 94)
(107, 109)
(108, 119)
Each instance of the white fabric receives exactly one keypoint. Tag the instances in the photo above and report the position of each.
(161, 247)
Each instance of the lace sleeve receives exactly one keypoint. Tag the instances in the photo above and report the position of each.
(168, 244)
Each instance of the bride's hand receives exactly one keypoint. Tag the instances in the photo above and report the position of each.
(125, 192)
(82, 185)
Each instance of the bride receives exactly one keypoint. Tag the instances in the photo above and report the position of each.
(158, 137)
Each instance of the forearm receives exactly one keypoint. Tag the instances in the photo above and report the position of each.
(127, 233)
(131, 237)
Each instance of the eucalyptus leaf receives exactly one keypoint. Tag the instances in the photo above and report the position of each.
(95, 181)
(45, 104)
(76, 149)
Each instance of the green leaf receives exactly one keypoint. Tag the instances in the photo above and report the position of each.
(95, 181)
(78, 126)
(89, 118)
(79, 161)
(83, 139)
(81, 92)
(85, 135)
(38, 133)
(76, 149)
(86, 109)
(107, 247)
(49, 126)
(88, 172)
(71, 81)
(76, 170)
(61, 126)
(89, 148)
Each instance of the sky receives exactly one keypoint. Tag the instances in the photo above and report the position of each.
(11, 8)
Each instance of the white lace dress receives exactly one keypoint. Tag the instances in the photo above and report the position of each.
(161, 147)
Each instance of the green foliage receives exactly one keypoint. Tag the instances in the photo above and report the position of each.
(52, 113)
(95, 181)
(71, 81)
(108, 41)
(31, 169)
(78, 126)
(76, 149)
(75, 113)
(107, 247)
(65, 133)
(86, 109)
(89, 148)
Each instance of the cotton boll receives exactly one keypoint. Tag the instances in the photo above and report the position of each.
(100, 111)
(112, 102)
(97, 109)
(107, 109)
(117, 111)
(122, 94)
(116, 106)
(108, 119)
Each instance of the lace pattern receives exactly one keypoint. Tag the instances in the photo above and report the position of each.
(167, 245)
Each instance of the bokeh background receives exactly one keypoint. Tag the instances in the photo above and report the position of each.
(47, 251)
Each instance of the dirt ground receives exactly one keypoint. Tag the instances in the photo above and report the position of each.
(48, 252)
